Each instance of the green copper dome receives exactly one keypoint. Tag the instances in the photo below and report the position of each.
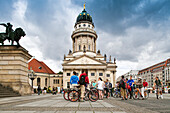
(84, 16)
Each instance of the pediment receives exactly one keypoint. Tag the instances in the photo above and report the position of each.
(85, 60)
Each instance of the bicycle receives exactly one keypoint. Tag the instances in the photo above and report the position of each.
(91, 95)
(146, 93)
(116, 94)
(136, 94)
(65, 94)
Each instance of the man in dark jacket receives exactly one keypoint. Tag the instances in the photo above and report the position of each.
(39, 89)
(122, 88)
(83, 81)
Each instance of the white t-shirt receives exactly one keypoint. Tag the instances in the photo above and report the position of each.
(100, 85)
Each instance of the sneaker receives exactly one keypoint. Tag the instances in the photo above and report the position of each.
(161, 96)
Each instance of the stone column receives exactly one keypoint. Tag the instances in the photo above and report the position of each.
(14, 68)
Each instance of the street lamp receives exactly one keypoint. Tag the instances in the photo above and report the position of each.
(32, 75)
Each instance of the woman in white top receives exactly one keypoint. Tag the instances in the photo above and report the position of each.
(100, 87)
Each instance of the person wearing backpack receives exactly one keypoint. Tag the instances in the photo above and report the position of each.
(122, 88)
(83, 81)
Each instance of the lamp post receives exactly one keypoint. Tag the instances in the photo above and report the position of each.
(32, 75)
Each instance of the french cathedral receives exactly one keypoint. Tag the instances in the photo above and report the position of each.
(84, 57)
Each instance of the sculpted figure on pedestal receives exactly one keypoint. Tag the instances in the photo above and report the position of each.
(11, 35)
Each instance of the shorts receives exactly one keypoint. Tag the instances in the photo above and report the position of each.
(100, 89)
(159, 88)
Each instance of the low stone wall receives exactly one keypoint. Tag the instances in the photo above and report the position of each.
(14, 68)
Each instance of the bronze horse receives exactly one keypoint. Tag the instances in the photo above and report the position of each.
(13, 36)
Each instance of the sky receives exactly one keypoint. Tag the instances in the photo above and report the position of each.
(135, 32)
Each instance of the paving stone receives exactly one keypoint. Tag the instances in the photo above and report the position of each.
(8, 112)
(107, 104)
(97, 106)
(118, 112)
(84, 105)
(84, 111)
(102, 112)
(48, 112)
(65, 111)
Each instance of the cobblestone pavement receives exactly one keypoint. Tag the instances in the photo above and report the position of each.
(56, 104)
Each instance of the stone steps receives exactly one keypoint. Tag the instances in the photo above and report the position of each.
(7, 92)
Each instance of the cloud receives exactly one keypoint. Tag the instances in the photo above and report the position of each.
(135, 32)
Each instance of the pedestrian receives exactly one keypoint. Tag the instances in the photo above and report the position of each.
(74, 80)
(94, 84)
(131, 82)
(107, 88)
(83, 80)
(127, 88)
(145, 84)
(54, 90)
(49, 89)
(139, 86)
(39, 89)
(45, 90)
(100, 88)
(110, 89)
(122, 88)
(158, 85)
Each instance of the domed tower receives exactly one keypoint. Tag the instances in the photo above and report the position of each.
(84, 37)
(83, 57)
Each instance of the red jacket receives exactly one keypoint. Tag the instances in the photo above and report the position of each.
(86, 78)
(145, 84)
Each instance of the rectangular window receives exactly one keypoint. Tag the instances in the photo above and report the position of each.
(100, 74)
(68, 84)
(53, 81)
(92, 74)
(108, 75)
(68, 74)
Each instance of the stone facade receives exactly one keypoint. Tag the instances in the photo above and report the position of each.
(14, 68)
(45, 77)
(84, 57)
(160, 70)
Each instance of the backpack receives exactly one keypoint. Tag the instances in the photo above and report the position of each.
(122, 84)
(82, 80)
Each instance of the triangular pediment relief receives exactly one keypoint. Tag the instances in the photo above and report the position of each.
(85, 60)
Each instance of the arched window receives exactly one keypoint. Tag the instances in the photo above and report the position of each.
(45, 81)
(38, 81)
(79, 47)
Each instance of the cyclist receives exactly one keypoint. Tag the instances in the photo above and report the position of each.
(100, 87)
(145, 84)
(158, 85)
(74, 80)
(131, 82)
(139, 87)
(83, 80)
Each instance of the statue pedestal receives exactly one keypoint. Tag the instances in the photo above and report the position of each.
(14, 68)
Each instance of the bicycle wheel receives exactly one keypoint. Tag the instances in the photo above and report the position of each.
(65, 95)
(93, 95)
(73, 96)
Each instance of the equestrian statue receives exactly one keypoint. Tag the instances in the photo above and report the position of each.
(11, 35)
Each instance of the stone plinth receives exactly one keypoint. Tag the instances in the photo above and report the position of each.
(14, 68)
